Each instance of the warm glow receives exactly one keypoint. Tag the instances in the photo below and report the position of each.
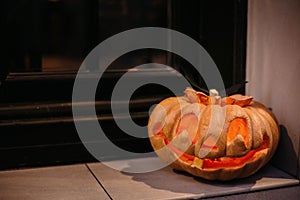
(222, 162)
(210, 143)
(189, 122)
(237, 127)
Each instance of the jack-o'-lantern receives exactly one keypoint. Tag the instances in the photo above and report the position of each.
(211, 137)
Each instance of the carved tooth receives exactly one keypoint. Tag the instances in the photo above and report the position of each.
(237, 147)
(183, 142)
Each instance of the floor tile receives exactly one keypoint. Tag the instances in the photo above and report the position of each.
(167, 184)
(60, 182)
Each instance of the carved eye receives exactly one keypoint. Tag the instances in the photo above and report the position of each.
(237, 138)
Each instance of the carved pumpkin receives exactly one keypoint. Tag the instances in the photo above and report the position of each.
(200, 141)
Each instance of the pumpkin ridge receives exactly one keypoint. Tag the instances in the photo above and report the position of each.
(257, 127)
(271, 125)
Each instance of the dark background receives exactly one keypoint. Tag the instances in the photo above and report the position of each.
(44, 42)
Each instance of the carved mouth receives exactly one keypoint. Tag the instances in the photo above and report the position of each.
(221, 162)
(226, 162)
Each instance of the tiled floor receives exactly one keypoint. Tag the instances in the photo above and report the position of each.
(97, 181)
(63, 182)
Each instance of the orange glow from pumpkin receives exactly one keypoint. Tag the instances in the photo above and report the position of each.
(157, 130)
(210, 143)
(225, 162)
(189, 122)
(222, 162)
(237, 127)
(183, 156)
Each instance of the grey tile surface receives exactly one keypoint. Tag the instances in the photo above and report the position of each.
(77, 182)
(288, 193)
(63, 182)
(167, 184)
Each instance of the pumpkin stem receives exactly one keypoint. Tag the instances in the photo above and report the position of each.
(215, 98)
(196, 97)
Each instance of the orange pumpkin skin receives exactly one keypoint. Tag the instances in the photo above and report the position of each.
(183, 132)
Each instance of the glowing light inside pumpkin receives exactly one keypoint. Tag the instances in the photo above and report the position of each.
(189, 122)
(225, 162)
(237, 127)
(157, 129)
(222, 162)
(210, 143)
